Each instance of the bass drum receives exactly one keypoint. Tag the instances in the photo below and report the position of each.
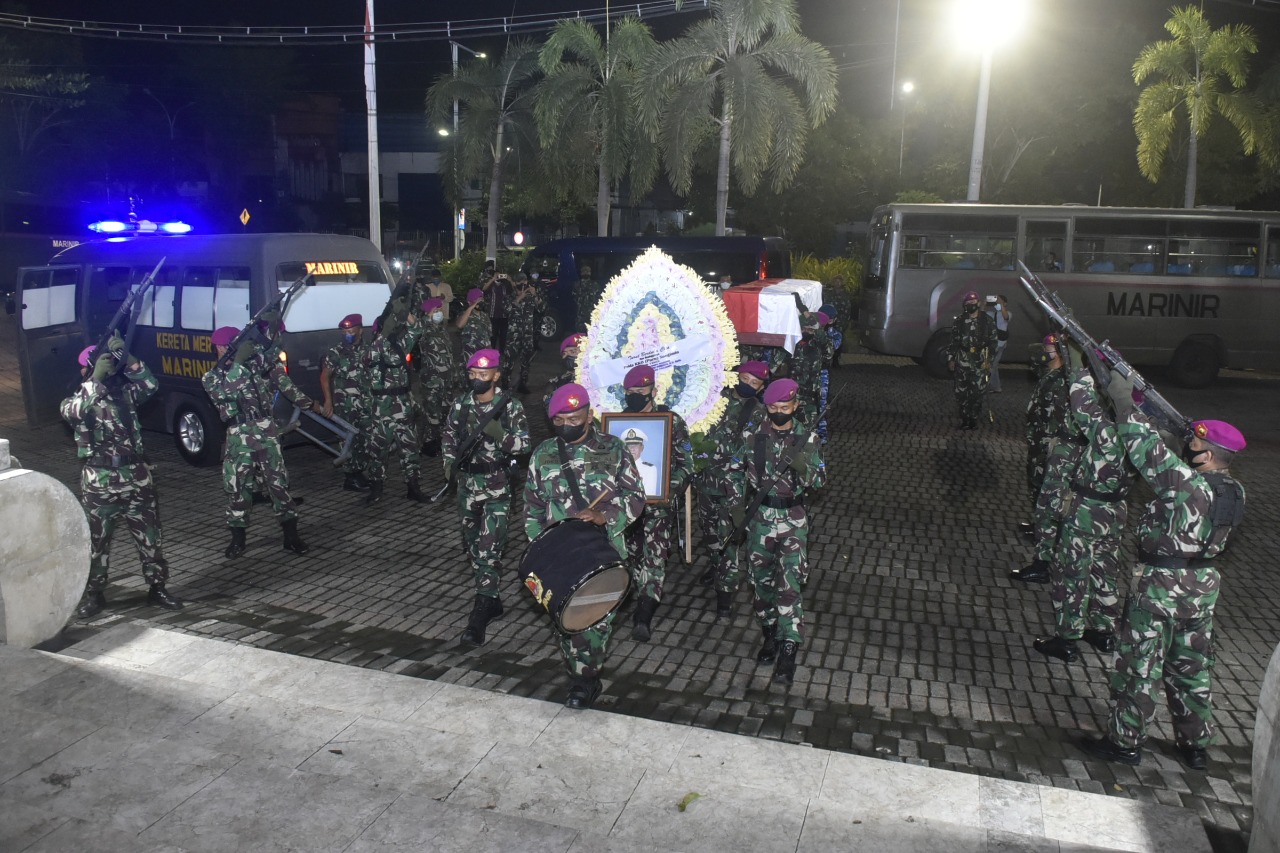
(573, 572)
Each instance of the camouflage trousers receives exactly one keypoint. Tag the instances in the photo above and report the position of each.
(711, 499)
(515, 362)
(728, 558)
(584, 652)
(1083, 582)
(824, 391)
(107, 494)
(778, 564)
(432, 398)
(358, 417)
(970, 384)
(1037, 457)
(649, 542)
(250, 463)
(392, 427)
(484, 510)
(1157, 648)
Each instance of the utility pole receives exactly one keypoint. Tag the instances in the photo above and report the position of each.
(371, 100)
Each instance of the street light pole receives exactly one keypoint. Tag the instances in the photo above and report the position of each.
(907, 88)
(980, 129)
(985, 24)
(371, 103)
(457, 190)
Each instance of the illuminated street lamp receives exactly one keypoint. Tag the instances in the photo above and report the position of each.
(985, 24)
(907, 88)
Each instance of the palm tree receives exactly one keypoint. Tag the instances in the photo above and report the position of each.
(747, 74)
(587, 96)
(496, 101)
(1191, 68)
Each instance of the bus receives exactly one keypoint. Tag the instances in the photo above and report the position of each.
(1193, 290)
(207, 281)
(558, 263)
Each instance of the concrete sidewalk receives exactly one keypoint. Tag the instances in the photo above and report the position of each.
(144, 739)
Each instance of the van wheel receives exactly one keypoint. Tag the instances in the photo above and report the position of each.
(549, 327)
(935, 355)
(1194, 364)
(197, 435)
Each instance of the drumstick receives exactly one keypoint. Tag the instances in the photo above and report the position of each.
(608, 490)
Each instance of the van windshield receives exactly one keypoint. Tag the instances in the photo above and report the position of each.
(338, 288)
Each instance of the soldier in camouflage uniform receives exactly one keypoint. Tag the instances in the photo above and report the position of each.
(652, 539)
(115, 480)
(586, 294)
(973, 343)
(477, 328)
(1086, 554)
(826, 320)
(1168, 627)
(742, 417)
(392, 407)
(484, 478)
(569, 354)
(1046, 411)
(777, 532)
(243, 394)
(522, 332)
(346, 393)
(813, 352)
(597, 464)
(434, 376)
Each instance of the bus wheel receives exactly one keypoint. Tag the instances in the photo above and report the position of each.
(197, 435)
(1194, 364)
(935, 354)
(549, 327)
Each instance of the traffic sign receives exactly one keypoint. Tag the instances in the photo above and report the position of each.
(244, 216)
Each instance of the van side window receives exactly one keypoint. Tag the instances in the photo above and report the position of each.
(197, 298)
(49, 296)
(108, 287)
(231, 297)
(157, 303)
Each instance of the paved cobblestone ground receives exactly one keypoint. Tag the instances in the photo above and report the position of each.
(919, 644)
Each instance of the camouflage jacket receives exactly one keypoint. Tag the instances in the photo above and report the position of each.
(758, 461)
(348, 380)
(806, 363)
(973, 339)
(461, 424)
(599, 462)
(1100, 480)
(434, 354)
(105, 420)
(523, 323)
(386, 364)
(477, 332)
(586, 294)
(742, 417)
(564, 377)
(244, 395)
(1047, 409)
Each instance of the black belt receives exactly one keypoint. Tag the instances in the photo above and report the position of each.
(482, 467)
(1162, 561)
(780, 503)
(1105, 497)
(392, 392)
(115, 460)
(1077, 440)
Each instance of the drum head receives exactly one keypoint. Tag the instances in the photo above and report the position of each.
(595, 598)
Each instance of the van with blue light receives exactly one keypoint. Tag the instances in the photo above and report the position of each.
(206, 281)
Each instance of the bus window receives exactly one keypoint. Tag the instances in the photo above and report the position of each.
(1272, 268)
(878, 258)
(231, 297)
(108, 287)
(1046, 246)
(957, 241)
(48, 296)
(157, 303)
(197, 298)
(338, 288)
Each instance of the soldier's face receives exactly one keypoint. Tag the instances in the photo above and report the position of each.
(778, 410)
(221, 351)
(751, 379)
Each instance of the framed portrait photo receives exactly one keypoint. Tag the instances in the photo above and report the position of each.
(648, 439)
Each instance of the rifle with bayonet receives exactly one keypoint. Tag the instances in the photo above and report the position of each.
(253, 333)
(129, 309)
(400, 297)
(1104, 357)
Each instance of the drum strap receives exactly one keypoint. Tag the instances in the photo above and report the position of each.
(567, 470)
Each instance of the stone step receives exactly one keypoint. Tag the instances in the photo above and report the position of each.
(167, 740)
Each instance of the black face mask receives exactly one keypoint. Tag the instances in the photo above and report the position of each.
(570, 433)
(781, 418)
(971, 307)
(481, 386)
(745, 390)
(637, 402)
(1189, 456)
(570, 361)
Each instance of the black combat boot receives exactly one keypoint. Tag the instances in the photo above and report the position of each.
(769, 651)
(415, 492)
(708, 577)
(483, 611)
(431, 449)
(1108, 750)
(237, 546)
(784, 671)
(160, 597)
(583, 692)
(1194, 757)
(91, 604)
(724, 604)
(1057, 647)
(355, 483)
(292, 541)
(642, 622)
(375, 493)
(1037, 572)
(1103, 641)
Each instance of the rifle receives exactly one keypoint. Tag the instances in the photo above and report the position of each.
(130, 308)
(739, 532)
(403, 288)
(251, 333)
(465, 452)
(1103, 356)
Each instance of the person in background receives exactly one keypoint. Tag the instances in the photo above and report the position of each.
(998, 309)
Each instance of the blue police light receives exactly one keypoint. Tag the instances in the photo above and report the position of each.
(175, 227)
(109, 226)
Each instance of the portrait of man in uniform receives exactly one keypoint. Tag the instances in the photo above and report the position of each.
(648, 438)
